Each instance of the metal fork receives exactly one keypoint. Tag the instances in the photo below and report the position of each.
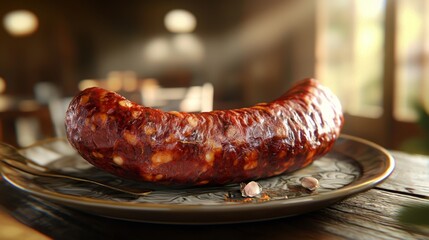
(12, 158)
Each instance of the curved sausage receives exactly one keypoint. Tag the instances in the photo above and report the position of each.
(217, 147)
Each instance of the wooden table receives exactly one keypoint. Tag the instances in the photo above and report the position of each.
(374, 214)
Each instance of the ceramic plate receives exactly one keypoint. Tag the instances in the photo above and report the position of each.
(354, 165)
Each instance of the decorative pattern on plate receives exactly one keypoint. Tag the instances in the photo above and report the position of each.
(354, 165)
(333, 171)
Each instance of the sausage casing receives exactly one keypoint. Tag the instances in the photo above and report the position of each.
(217, 147)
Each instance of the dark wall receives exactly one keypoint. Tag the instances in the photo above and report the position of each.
(85, 39)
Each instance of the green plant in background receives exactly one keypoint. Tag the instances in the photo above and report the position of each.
(415, 217)
(419, 144)
(423, 119)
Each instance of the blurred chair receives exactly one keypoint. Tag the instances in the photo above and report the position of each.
(30, 129)
(33, 116)
(48, 94)
(45, 92)
(57, 109)
(30, 121)
(184, 99)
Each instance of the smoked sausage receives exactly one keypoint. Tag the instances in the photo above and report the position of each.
(218, 147)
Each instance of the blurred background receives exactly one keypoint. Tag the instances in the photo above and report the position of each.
(374, 54)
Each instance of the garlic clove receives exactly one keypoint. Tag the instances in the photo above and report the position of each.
(251, 189)
(310, 183)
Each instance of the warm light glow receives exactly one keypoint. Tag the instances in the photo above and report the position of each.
(188, 46)
(114, 81)
(87, 83)
(2, 85)
(157, 50)
(350, 45)
(20, 22)
(130, 83)
(184, 47)
(148, 89)
(411, 73)
(180, 21)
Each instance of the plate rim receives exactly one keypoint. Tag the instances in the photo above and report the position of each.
(343, 192)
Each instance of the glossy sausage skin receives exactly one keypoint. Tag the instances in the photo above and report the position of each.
(218, 147)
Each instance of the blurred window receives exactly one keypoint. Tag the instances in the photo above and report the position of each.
(412, 58)
(350, 53)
